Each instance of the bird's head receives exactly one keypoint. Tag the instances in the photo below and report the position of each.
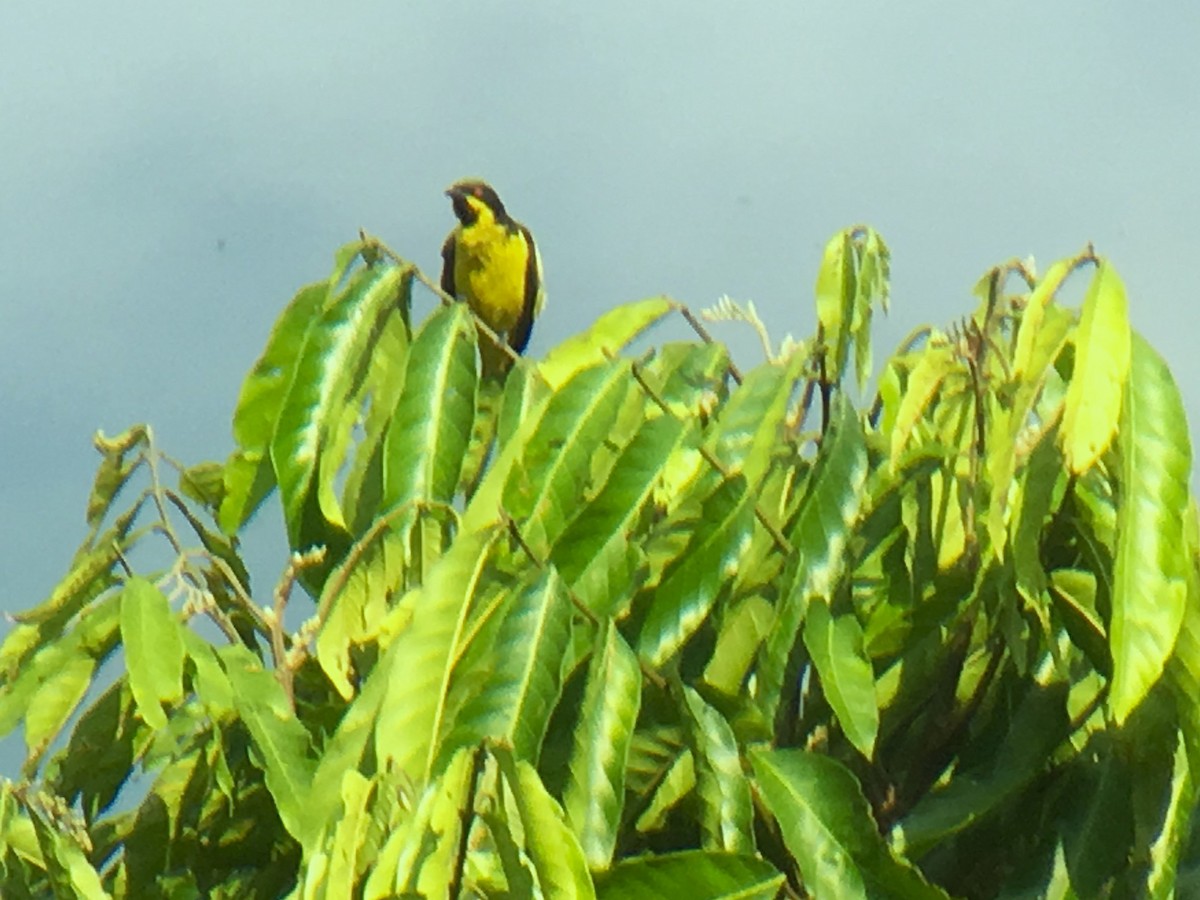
(476, 201)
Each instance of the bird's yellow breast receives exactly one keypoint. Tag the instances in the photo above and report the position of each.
(489, 272)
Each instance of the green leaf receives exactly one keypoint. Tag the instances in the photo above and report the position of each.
(1026, 360)
(828, 828)
(428, 434)
(746, 433)
(385, 384)
(694, 874)
(738, 642)
(836, 289)
(595, 553)
(355, 597)
(603, 340)
(726, 809)
(558, 861)
(1098, 831)
(681, 603)
(55, 700)
(1151, 563)
(154, 652)
(1037, 726)
(429, 853)
(1102, 358)
(678, 780)
(832, 499)
(349, 844)
(346, 749)
(71, 875)
(933, 366)
(508, 691)
(319, 407)
(415, 709)
(1175, 832)
(279, 739)
(249, 477)
(595, 791)
(543, 490)
(835, 643)
(50, 686)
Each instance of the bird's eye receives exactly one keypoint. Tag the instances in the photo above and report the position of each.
(478, 192)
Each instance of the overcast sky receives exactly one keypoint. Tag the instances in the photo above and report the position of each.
(171, 173)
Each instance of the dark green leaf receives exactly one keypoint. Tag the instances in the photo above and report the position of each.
(280, 740)
(828, 828)
(694, 874)
(830, 506)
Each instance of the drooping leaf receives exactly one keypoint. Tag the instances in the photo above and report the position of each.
(428, 433)
(349, 845)
(50, 687)
(595, 553)
(683, 600)
(281, 743)
(420, 660)
(114, 469)
(835, 643)
(429, 851)
(726, 809)
(1150, 565)
(249, 477)
(319, 409)
(694, 874)
(511, 689)
(71, 875)
(738, 642)
(748, 426)
(558, 861)
(1037, 726)
(595, 791)
(355, 597)
(828, 828)
(154, 651)
(1102, 348)
(1098, 829)
(543, 491)
(829, 507)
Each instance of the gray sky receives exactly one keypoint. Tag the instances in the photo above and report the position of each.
(171, 173)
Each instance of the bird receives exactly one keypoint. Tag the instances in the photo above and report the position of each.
(490, 261)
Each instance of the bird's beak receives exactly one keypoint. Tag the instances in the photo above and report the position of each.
(453, 191)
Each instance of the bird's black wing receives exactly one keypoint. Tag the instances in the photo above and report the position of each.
(448, 265)
(518, 337)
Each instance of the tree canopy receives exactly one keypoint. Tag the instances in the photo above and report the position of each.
(636, 626)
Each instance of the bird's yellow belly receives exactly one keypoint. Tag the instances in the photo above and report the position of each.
(490, 275)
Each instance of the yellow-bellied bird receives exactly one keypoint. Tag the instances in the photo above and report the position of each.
(490, 261)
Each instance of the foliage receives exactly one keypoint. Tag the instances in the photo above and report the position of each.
(635, 627)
